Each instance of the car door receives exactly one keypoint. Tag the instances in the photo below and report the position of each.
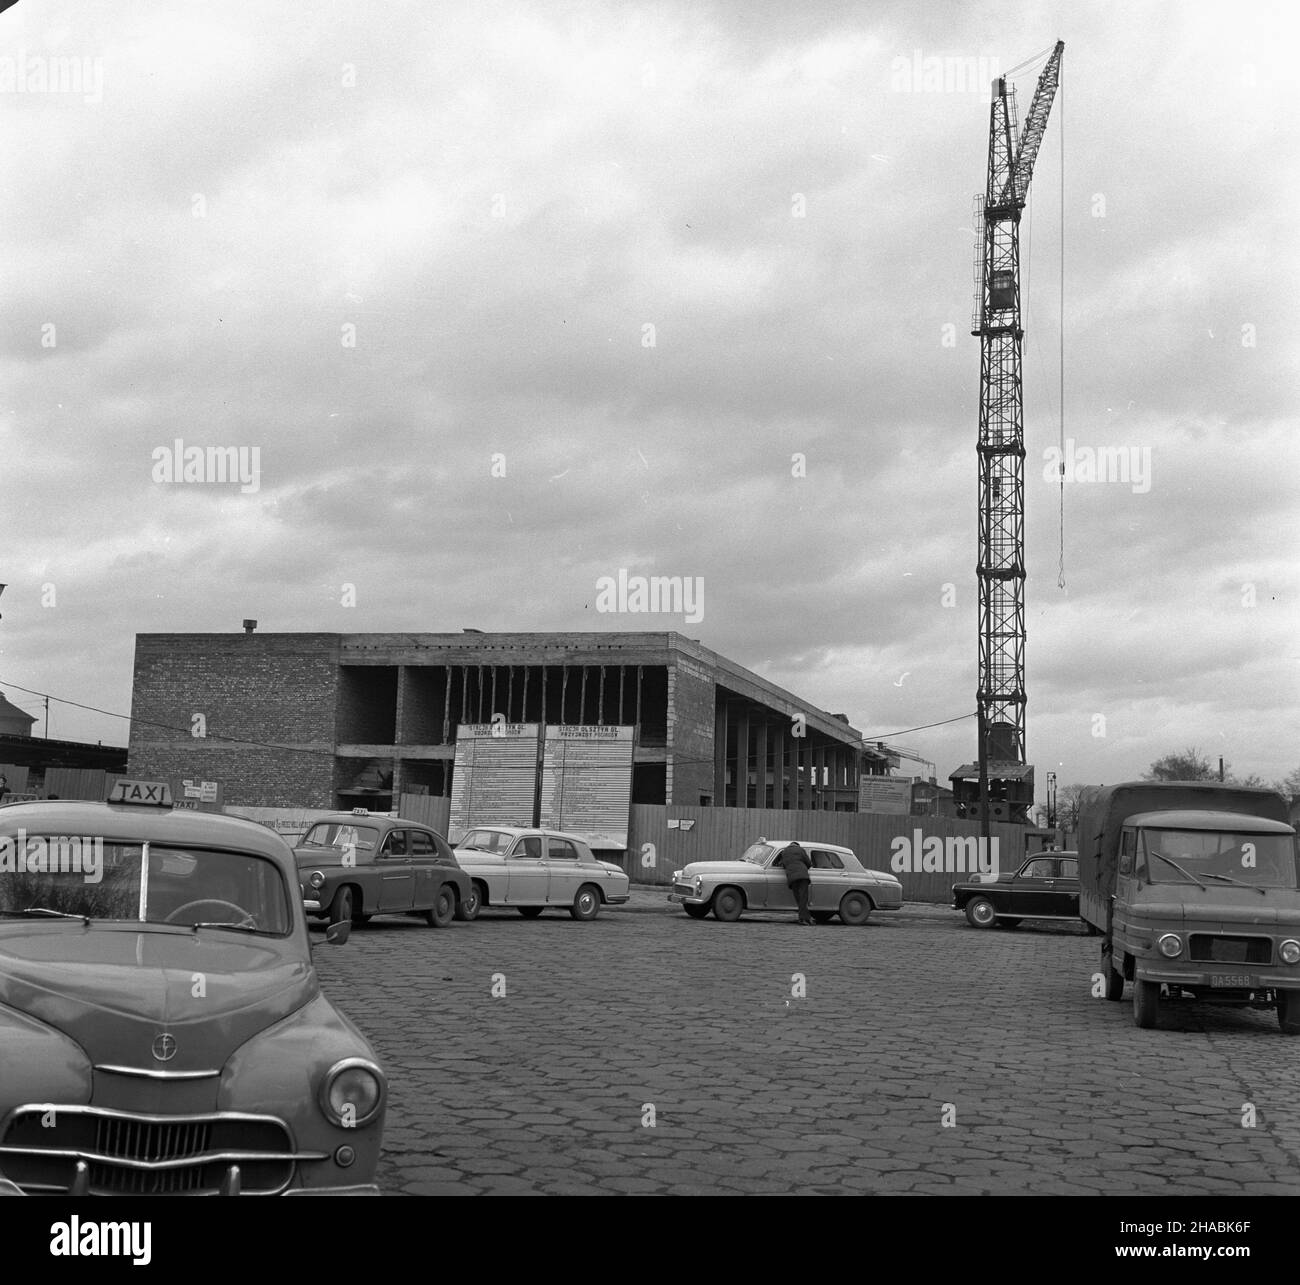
(527, 875)
(828, 880)
(1063, 895)
(1030, 892)
(428, 870)
(767, 888)
(396, 877)
(564, 870)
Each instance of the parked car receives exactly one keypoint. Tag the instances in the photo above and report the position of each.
(840, 884)
(532, 869)
(1045, 887)
(353, 865)
(162, 1026)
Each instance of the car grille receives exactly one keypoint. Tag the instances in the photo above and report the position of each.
(684, 889)
(1230, 950)
(56, 1149)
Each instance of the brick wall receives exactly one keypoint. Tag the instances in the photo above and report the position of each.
(692, 694)
(278, 688)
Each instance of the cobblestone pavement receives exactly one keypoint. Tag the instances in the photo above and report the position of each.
(651, 1053)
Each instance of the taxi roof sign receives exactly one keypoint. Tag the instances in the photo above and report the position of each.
(154, 794)
(360, 812)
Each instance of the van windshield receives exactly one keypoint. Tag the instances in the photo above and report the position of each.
(1217, 857)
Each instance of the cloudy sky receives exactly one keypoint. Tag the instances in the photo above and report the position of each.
(510, 297)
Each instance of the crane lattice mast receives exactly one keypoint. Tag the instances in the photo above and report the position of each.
(1001, 446)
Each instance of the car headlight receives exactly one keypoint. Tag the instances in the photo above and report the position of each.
(352, 1092)
(1171, 945)
(1290, 951)
(316, 879)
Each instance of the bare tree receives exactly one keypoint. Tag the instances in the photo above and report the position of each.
(1070, 800)
(1190, 765)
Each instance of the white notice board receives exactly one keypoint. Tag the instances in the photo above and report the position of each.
(494, 777)
(587, 781)
(884, 794)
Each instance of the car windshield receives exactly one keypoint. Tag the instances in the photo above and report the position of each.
(94, 879)
(341, 835)
(757, 853)
(1217, 857)
(486, 841)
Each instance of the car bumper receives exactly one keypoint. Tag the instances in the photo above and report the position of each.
(362, 1189)
(1150, 970)
(886, 898)
(618, 898)
(312, 907)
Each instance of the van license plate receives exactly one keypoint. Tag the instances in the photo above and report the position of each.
(1231, 981)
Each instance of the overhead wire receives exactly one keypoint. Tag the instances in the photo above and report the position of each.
(299, 749)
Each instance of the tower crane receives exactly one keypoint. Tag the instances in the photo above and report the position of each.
(1001, 776)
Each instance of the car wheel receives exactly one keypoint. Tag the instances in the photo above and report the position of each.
(443, 911)
(586, 903)
(1146, 1004)
(727, 905)
(467, 908)
(1008, 923)
(531, 912)
(1114, 978)
(980, 913)
(1288, 1012)
(696, 912)
(855, 908)
(341, 907)
(823, 916)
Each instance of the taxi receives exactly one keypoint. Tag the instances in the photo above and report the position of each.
(529, 870)
(162, 1026)
(839, 884)
(352, 865)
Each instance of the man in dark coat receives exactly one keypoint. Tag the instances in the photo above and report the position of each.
(797, 863)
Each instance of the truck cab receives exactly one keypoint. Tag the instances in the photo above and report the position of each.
(1194, 900)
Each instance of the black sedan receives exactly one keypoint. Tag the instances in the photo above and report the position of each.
(1045, 887)
(352, 865)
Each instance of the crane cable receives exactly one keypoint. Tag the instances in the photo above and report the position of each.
(1060, 571)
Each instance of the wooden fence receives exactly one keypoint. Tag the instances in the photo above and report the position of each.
(658, 843)
(77, 782)
(433, 810)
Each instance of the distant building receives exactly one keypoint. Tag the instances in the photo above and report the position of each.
(344, 720)
(14, 721)
(930, 799)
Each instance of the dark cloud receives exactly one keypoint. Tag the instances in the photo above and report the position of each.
(500, 200)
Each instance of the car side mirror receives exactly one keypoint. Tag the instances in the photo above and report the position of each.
(338, 934)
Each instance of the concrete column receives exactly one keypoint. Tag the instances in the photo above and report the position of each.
(720, 755)
(742, 758)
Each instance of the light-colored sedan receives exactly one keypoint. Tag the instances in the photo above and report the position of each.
(841, 884)
(532, 869)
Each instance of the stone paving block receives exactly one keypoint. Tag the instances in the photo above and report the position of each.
(544, 1091)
